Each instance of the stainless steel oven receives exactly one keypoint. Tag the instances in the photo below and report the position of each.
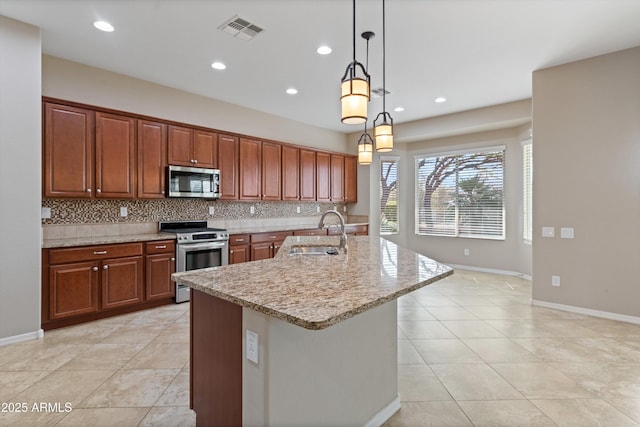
(198, 246)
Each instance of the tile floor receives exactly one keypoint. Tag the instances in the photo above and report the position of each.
(472, 352)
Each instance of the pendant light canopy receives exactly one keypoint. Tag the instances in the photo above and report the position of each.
(355, 87)
(383, 124)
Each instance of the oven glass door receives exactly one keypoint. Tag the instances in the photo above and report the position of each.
(193, 256)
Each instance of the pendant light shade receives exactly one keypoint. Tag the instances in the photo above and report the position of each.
(365, 148)
(355, 87)
(383, 124)
(383, 132)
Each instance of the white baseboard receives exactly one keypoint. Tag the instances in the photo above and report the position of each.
(587, 311)
(385, 413)
(22, 337)
(491, 270)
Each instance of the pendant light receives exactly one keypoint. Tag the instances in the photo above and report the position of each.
(365, 147)
(383, 131)
(355, 87)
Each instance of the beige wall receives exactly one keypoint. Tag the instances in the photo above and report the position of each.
(76, 82)
(586, 152)
(20, 174)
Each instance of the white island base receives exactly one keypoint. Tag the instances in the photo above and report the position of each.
(343, 375)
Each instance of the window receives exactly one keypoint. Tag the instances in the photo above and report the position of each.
(388, 195)
(527, 191)
(461, 194)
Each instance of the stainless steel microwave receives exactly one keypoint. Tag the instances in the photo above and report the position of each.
(193, 182)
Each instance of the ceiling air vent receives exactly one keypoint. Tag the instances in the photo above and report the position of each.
(240, 28)
(377, 93)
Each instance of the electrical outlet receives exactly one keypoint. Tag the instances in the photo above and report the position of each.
(548, 231)
(566, 233)
(297, 209)
(252, 346)
(45, 213)
(212, 210)
(252, 210)
(318, 209)
(555, 281)
(466, 251)
(335, 208)
(123, 211)
(344, 208)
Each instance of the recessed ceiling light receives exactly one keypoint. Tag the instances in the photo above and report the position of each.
(324, 50)
(218, 66)
(440, 100)
(398, 109)
(103, 26)
(292, 91)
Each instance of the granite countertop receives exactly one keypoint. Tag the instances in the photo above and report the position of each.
(105, 240)
(315, 292)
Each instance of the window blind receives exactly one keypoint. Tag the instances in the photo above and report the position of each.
(461, 195)
(527, 191)
(388, 195)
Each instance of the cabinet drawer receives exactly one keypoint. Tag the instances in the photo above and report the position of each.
(160, 247)
(238, 239)
(270, 237)
(88, 253)
(311, 232)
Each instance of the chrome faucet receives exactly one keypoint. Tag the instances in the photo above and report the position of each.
(343, 235)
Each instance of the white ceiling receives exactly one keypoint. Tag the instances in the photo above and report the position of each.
(475, 53)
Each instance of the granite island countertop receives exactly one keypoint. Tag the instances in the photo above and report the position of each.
(315, 292)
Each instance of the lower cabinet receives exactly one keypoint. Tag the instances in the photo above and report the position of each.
(90, 282)
(239, 250)
(266, 245)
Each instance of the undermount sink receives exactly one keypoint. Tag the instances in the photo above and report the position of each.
(314, 250)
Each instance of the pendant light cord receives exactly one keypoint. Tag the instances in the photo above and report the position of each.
(354, 31)
(384, 63)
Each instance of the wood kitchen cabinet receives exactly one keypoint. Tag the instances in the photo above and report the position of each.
(266, 245)
(351, 179)
(311, 232)
(250, 152)
(73, 289)
(122, 282)
(152, 159)
(291, 177)
(115, 156)
(307, 174)
(239, 250)
(228, 153)
(160, 265)
(323, 177)
(68, 144)
(192, 147)
(337, 178)
(271, 171)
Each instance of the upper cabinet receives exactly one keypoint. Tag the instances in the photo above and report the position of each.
(152, 159)
(291, 173)
(323, 177)
(307, 174)
(271, 171)
(115, 156)
(337, 178)
(68, 151)
(192, 147)
(351, 179)
(228, 153)
(250, 169)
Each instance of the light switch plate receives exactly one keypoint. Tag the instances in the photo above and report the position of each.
(212, 210)
(45, 213)
(555, 281)
(252, 346)
(123, 211)
(548, 231)
(566, 233)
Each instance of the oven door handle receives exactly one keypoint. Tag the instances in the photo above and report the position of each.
(197, 246)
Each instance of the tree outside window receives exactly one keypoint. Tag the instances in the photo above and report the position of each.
(388, 195)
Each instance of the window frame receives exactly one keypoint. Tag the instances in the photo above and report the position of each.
(459, 152)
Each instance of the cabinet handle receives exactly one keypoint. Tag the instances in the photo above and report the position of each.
(272, 237)
(99, 252)
(161, 246)
(231, 252)
(105, 267)
(95, 268)
(88, 190)
(173, 259)
(195, 161)
(162, 192)
(239, 240)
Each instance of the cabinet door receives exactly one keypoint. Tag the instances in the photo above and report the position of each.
(68, 151)
(115, 156)
(290, 173)
(152, 159)
(261, 251)
(351, 179)
(307, 174)
(160, 267)
(73, 289)
(250, 169)
(122, 281)
(323, 177)
(238, 254)
(337, 178)
(179, 146)
(205, 149)
(228, 165)
(271, 171)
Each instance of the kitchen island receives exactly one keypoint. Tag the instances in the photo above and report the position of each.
(325, 345)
